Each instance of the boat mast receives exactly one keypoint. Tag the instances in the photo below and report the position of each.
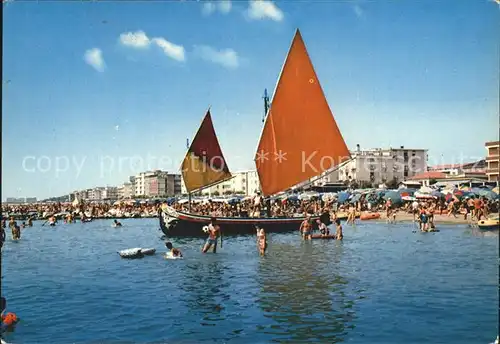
(189, 193)
(266, 105)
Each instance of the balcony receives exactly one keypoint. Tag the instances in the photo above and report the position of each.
(492, 144)
(493, 157)
(492, 170)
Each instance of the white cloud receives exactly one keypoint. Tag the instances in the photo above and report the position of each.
(136, 39)
(170, 49)
(223, 6)
(94, 58)
(225, 57)
(358, 11)
(208, 8)
(140, 40)
(263, 9)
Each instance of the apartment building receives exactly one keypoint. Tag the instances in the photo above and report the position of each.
(492, 160)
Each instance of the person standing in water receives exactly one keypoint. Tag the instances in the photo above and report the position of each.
(338, 232)
(116, 223)
(323, 229)
(261, 240)
(306, 228)
(213, 234)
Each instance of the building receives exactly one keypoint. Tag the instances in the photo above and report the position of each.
(242, 183)
(378, 166)
(15, 200)
(30, 199)
(492, 160)
(156, 184)
(109, 193)
(476, 169)
(126, 190)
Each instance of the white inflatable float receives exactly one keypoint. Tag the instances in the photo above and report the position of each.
(136, 252)
(169, 255)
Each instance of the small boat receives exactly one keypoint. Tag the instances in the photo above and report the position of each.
(300, 140)
(148, 251)
(131, 253)
(491, 224)
(369, 216)
(324, 237)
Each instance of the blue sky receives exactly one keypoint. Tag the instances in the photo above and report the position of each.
(94, 82)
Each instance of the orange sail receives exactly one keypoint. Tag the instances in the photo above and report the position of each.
(204, 164)
(300, 138)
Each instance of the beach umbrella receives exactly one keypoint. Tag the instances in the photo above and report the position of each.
(394, 196)
(343, 196)
(437, 194)
(408, 198)
(420, 195)
(488, 194)
(233, 200)
(406, 192)
(355, 198)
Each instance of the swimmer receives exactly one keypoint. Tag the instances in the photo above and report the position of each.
(213, 233)
(116, 223)
(2, 237)
(30, 221)
(173, 251)
(16, 232)
(323, 229)
(339, 233)
(306, 228)
(261, 240)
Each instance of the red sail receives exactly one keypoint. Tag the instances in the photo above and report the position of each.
(204, 163)
(300, 139)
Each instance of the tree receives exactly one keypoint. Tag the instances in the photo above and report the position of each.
(365, 184)
(392, 184)
(215, 193)
(432, 181)
(228, 192)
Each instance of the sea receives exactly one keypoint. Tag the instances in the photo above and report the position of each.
(384, 283)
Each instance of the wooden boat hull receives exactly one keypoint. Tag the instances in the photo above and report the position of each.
(175, 223)
(326, 237)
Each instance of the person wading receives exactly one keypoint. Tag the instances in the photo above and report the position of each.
(213, 234)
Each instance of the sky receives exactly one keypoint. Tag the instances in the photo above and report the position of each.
(94, 92)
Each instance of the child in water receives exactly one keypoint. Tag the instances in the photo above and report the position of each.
(261, 240)
(174, 252)
(339, 233)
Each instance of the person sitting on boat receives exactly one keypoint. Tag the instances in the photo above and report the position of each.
(116, 223)
(174, 252)
(213, 233)
(323, 229)
(338, 233)
(261, 240)
(306, 228)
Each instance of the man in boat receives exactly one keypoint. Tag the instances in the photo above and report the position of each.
(338, 233)
(257, 204)
(213, 233)
(175, 252)
(306, 228)
(261, 240)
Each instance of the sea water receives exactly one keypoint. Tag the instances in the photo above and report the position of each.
(381, 284)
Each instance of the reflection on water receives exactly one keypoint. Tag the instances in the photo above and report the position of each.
(303, 293)
(382, 284)
(480, 233)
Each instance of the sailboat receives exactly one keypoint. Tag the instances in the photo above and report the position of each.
(300, 140)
